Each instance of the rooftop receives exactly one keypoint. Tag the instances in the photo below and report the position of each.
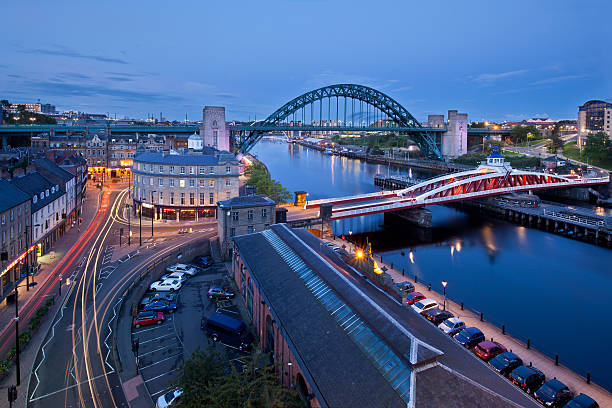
(10, 196)
(246, 201)
(185, 159)
(35, 183)
(48, 166)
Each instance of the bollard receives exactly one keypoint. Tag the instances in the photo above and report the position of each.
(530, 364)
(504, 329)
(415, 279)
(461, 305)
(528, 344)
(403, 272)
(429, 287)
(481, 317)
(588, 378)
(391, 265)
(381, 260)
(556, 359)
(491, 338)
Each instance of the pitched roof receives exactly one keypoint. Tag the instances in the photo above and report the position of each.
(177, 159)
(246, 201)
(33, 184)
(10, 196)
(53, 170)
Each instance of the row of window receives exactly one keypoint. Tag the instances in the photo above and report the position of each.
(122, 156)
(250, 230)
(181, 182)
(182, 197)
(236, 214)
(181, 169)
(11, 215)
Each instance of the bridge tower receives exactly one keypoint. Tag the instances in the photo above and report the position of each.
(214, 130)
(454, 140)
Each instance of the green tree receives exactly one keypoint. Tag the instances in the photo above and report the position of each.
(521, 134)
(597, 146)
(556, 141)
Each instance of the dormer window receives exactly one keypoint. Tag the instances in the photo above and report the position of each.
(52, 190)
(42, 195)
(46, 193)
(35, 198)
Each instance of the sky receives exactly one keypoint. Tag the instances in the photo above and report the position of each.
(495, 60)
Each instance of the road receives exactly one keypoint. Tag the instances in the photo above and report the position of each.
(75, 365)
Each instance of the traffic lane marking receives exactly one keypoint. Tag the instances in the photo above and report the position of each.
(161, 375)
(157, 338)
(161, 361)
(157, 327)
(159, 349)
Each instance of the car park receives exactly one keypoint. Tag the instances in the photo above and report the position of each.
(217, 292)
(582, 401)
(165, 286)
(452, 326)
(406, 287)
(504, 363)
(412, 298)
(182, 268)
(227, 330)
(168, 297)
(553, 393)
(180, 276)
(437, 315)
(169, 398)
(147, 319)
(422, 306)
(469, 337)
(486, 350)
(528, 379)
(202, 261)
(160, 306)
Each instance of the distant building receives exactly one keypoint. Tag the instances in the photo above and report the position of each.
(214, 130)
(183, 186)
(243, 215)
(64, 178)
(195, 142)
(95, 154)
(454, 141)
(594, 116)
(121, 152)
(44, 108)
(552, 162)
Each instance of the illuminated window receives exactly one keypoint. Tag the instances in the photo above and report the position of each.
(181, 183)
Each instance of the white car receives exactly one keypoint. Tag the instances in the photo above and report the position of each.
(180, 276)
(422, 306)
(189, 270)
(452, 326)
(169, 398)
(165, 286)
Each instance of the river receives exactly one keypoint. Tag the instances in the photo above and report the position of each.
(541, 286)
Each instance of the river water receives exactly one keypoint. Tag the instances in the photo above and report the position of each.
(548, 288)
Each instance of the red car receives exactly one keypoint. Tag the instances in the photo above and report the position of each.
(486, 350)
(414, 297)
(148, 318)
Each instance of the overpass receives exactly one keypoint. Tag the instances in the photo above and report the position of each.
(494, 178)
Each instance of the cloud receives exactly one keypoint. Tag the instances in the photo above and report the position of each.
(331, 78)
(119, 79)
(402, 89)
(65, 52)
(226, 96)
(73, 75)
(558, 79)
(489, 78)
(131, 74)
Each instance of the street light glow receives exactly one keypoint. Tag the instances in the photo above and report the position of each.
(359, 254)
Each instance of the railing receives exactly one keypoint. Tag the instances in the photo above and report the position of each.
(574, 218)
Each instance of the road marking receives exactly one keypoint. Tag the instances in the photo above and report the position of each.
(157, 338)
(157, 327)
(70, 386)
(161, 375)
(161, 361)
(154, 351)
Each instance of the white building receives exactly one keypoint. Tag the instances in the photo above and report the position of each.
(64, 178)
(195, 142)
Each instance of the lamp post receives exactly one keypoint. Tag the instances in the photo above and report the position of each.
(444, 283)
(17, 365)
(152, 210)
(127, 206)
(350, 234)
(140, 224)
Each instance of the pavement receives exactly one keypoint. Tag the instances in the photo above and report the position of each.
(574, 381)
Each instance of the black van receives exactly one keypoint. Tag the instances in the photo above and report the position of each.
(228, 330)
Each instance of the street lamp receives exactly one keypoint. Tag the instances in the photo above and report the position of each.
(444, 283)
(17, 365)
(127, 206)
(139, 209)
(152, 210)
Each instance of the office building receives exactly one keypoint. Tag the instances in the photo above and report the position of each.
(594, 116)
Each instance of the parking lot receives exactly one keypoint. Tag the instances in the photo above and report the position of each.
(164, 347)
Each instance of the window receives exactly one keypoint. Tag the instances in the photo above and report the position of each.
(191, 183)
(191, 170)
(13, 214)
(161, 182)
(150, 167)
(161, 197)
(232, 232)
(171, 182)
(191, 199)
(4, 218)
(181, 183)
(228, 169)
(264, 213)
(214, 124)
(202, 199)
(211, 198)
(19, 212)
(228, 182)
(182, 198)
(250, 215)
(161, 168)
(46, 195)
(235, 216)
(250, 229)
(182, 170)
(171, 198)
(202, 183)
(227, 195)
(202, 170)
(211, 170)
(150, 181)
(171, 169)
(211, 183)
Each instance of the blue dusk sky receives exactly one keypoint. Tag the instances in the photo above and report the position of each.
(495, 60)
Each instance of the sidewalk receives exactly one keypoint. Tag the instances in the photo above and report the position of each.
(574, 381)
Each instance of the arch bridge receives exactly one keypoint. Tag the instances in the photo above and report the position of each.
(357, 108)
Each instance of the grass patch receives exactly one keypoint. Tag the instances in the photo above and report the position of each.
(571, 150)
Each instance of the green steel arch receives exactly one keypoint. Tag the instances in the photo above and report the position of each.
(371, 96)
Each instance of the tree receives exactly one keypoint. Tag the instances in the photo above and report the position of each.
(597, 146)
(521, 134)
(556, 141)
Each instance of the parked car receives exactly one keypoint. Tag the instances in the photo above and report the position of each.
(218, 292)
(228, 330)
(452, 326)
(486, 350)
(165, 286)
(504, 363)
(169, 398)
(160, 306)
(437, 315)
(412, 298)
(180, 276)
(528, 379)
(582, 401)
(168, 297)
(406, 287)
(422, 306)
(469, 337)
(553, 394)
(186, 269)
(147, 319)
(202, 261)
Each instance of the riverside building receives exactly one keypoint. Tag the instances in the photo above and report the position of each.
(175, 186)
